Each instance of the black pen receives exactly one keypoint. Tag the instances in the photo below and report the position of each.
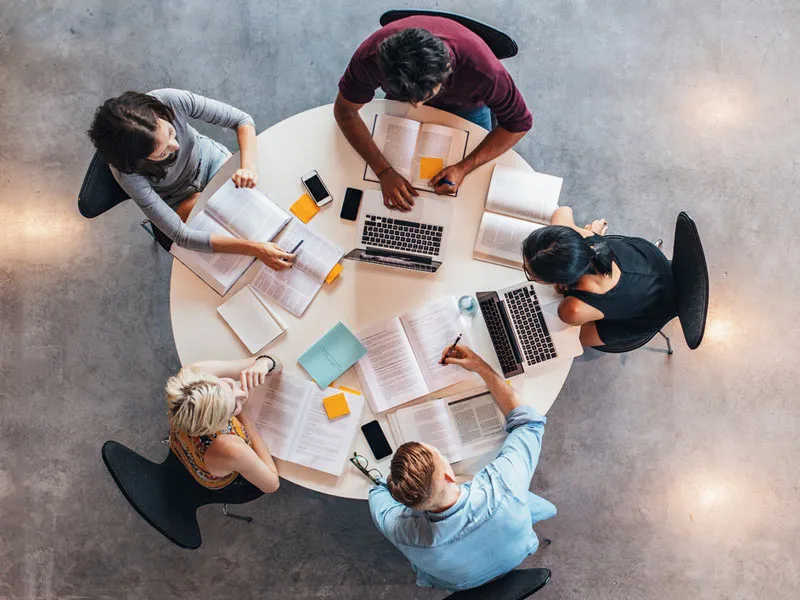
(453, 347)
(300, 243)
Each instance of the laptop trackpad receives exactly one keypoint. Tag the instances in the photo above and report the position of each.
(554, 322)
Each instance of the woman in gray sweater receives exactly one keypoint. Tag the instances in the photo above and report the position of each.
(163, 163)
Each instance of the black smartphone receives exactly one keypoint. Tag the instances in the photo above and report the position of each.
(352, 200)
(376, 439)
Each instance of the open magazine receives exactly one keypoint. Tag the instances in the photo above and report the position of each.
(517, 203)
(295, 288)
(245, 213)
(289, 414)
(461, 427)
(415, 150)
(403, 354)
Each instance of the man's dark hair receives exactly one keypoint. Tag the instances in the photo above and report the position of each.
(414, 62)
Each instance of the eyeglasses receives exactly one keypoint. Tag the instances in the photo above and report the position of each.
(362, 464)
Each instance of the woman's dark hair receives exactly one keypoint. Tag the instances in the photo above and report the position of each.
(123, 131)
(414, 62)
(559, 254)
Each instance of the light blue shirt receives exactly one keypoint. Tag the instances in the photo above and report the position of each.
(489, 530)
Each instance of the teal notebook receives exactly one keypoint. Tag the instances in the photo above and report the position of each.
(332, 355)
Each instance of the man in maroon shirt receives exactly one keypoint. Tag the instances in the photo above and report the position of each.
(434, 61)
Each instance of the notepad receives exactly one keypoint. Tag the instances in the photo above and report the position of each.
(337, 268)
(251, 320)
(336, 406)
(429, 166)
(304, 208)
(332, 355)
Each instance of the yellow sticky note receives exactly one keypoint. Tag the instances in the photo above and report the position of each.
(337, 268)
(349, 390)
(305, 208)
(336, 406)
(429, 166)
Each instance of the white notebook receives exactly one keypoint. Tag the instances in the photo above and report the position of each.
(245, 213)
(290, 416)
(251, 319)
(518, 202)
(403, 354)
(461, 427)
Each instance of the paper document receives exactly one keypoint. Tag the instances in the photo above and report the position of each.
(251, 319)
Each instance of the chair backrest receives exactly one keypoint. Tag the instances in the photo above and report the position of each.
(690, 272)
(628, 345)
(516, 585)
(166, 495)
(501, 44)
(100, 191)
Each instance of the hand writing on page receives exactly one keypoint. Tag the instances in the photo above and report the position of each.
(454, 173)
(271, 255)
(397, 191)
(465, 357)
(247, 178)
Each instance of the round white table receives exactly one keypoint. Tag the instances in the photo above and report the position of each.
(363, 294)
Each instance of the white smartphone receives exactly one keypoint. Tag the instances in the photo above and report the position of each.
(316, 189)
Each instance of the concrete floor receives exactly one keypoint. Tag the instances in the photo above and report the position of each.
(674, 477)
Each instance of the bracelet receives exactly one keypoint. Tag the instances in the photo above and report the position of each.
(274, 364)
(384, 171)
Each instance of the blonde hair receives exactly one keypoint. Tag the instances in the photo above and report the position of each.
(411, 478)
(196, 402)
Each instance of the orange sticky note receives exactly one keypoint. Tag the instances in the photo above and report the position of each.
(336, 406)
(337, 268)
(305, 208)
(429, 166)
(349, 390)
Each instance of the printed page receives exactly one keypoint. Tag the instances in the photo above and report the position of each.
(397, 138)
(437, 141)
(500, 239)
(389, 371)
(250, 319)
(429, 423)
(220, 271)
(479, 424)
(317, 256)
(280, 415)
(526, 195)
(323, 444)
(431, 329)
(247, 212)
(291, 288)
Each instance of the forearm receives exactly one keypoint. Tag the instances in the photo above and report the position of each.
(230, 245)
(248, 147)
(493, 145)
(360, 138)
(225, 368)
(504, 395)
(259, 445)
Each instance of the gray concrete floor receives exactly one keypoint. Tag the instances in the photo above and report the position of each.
(674, 477)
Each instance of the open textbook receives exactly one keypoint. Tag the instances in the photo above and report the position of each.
(461, 426)
(403, 354)
(415, 150)
(517, 203)
(246, 213)
(295, 288)
(290, 416)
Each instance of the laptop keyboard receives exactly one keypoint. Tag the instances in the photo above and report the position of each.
(403, 236)
(526, 314)
(502, 345)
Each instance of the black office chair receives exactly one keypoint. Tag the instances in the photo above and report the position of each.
(166, 495)
(500, 43)
(690, 272)
(516, 585)
(100, 192)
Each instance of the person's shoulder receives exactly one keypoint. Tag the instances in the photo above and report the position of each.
(227, 446)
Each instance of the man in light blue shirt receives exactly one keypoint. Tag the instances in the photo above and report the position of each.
(461, 536)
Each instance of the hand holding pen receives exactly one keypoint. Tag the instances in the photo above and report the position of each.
(448, 179)
(450, 351)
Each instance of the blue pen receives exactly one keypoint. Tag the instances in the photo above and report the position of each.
(443, 180)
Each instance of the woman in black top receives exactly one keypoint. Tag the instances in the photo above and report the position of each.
(616, 289)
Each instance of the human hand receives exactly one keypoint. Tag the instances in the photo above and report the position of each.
(271, 255)
(465, 357)
(246, 178)
(598, 226)
(560, 288)
(257, 373)
(454, 173)
(397, 191)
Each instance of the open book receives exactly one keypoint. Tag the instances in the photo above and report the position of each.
(295, 288)
(246, 213)
(517, 203)
(461, 426)
(289, 414)
(403, 354)
(415, 150)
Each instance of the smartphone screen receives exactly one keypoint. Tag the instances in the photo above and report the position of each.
(316, 188)
(352, 200)
(376, 439)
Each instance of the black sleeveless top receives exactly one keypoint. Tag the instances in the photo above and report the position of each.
(644, 298)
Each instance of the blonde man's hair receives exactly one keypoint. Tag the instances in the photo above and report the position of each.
(411, 475)
(196, 402)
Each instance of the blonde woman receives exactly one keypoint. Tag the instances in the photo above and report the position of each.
(210, 433)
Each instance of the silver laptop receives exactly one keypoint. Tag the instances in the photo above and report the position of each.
(525, 333)
(413, 240)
